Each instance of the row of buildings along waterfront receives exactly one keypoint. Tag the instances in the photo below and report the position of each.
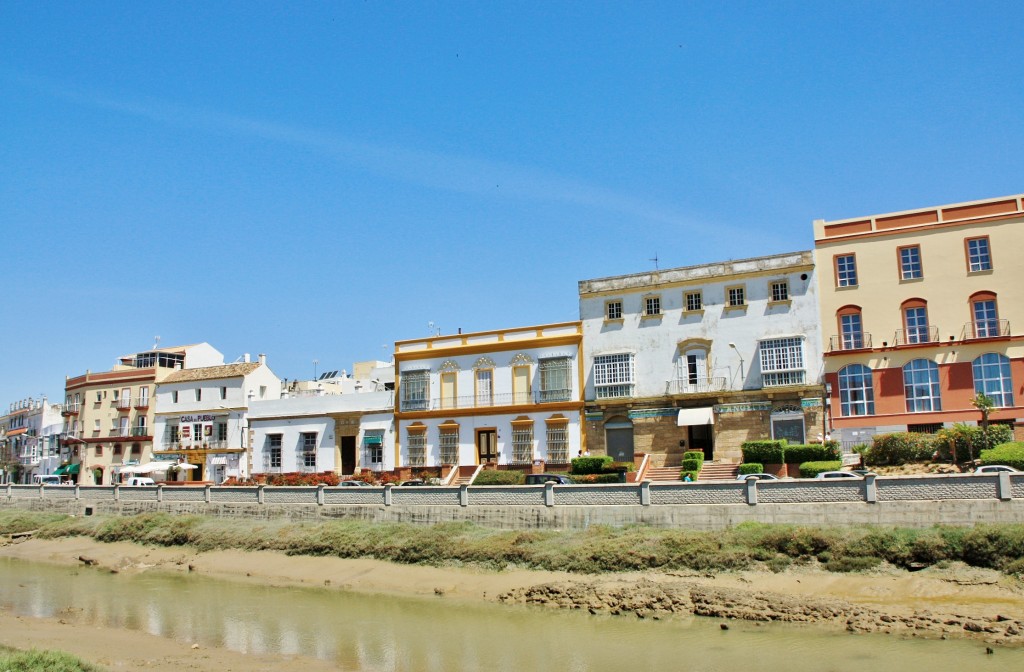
(893, 322)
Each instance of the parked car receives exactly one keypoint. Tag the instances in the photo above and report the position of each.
(140, 480)
(540, 479)
(757, 477)
(46, 479)
(995, 469)
(353, 483)
(415, 481)
(837, 474)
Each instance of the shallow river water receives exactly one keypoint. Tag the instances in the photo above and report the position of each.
(363, 633)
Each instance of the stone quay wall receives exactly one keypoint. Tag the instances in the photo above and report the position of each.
(906, 501)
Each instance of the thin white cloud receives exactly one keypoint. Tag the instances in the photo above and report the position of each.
(442, 171)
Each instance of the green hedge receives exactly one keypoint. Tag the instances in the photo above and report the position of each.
(751, 468)
(765, 452)
(495, 477)
(693, 475)
(799, 453)
(694, 455)
(615, 477)
(692, 465)
(899, 448)
(812, 469)
(591, 465)
(1010, 454)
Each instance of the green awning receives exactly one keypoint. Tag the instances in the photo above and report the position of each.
(372, 440)
(60, 471)
(73, 468)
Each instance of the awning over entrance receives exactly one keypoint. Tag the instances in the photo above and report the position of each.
(704, 415)
(61, 470)
(373, 440)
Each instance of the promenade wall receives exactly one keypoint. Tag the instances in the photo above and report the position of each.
(908, 501)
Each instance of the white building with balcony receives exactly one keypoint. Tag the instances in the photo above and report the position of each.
(201, 417)
(507, 398)
(338, 433)
(31, 439)
(702, 358)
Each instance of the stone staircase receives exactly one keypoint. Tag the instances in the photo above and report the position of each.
(718, 471)
(712, 471)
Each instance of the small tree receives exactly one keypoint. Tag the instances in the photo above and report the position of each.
(985, 405)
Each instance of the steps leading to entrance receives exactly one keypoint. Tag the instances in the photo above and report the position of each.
(663, 474)
(718, 471)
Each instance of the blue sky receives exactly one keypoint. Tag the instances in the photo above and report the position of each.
(318, 180)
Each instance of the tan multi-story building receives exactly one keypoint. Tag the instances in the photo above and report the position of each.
(921, 311)
(108, 416)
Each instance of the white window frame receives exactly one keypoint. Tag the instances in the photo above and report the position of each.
(613, 375)
(782, 361)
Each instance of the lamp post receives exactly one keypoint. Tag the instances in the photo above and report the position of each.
(742, 377)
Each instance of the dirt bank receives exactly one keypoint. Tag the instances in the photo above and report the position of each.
(956, 601)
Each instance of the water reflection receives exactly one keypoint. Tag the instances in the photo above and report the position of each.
(364, 633)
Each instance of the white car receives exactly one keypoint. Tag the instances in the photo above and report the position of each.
(995, 469)
(140, 480)
(757, 477)
(837, 474)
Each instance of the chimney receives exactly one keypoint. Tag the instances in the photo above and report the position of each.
(263, 359)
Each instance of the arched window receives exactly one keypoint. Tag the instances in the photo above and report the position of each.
(984, 315)
(851, 328)
(915, 321)
(921, 386)
(992, 378)
(856, 392)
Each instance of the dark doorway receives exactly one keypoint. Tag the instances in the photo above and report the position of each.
(619, 441)
(348, 455)
(486, 445)
(702, 437)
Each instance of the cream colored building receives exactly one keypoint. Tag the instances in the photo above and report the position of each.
(921, 310)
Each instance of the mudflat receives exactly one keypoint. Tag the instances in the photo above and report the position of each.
(952, 601)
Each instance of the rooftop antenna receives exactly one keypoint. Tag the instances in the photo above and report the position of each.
(315, 363)
(156, 342)
(655, 260)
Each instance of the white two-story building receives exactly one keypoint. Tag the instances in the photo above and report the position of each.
(702, 358)
(201, 416)
(509, 397)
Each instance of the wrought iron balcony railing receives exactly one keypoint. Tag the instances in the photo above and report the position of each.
(853, 341)
(986, 329)
(706, 386)
(915, 335)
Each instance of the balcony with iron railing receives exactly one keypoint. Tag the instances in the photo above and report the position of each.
(141, 403)
(860, 340)
(120, 430)
(71, 408)
(916, 335)
(486, 400)
(140, 430)
(124, 403)
(706, 386)
(986, 329)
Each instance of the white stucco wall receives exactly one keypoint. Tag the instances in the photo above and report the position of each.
(654, 342)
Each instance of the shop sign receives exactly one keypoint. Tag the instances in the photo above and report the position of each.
(198, 418)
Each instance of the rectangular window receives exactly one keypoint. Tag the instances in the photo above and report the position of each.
(99, 451)
(853, 333)
(307, 447)
(613, 375)
(522, 444)
(979, 258)
(96, 425)
(415, 390)
(484, 387)
(222, 431)
(449, 443)
(917, 324)
(99, 396)
(273, 451)
(986, 320)
(199, 394)
(846, 270)
(555, 379)
(143, 397)
(417, 449)
(910, 262)
(613, 310)
(373, 442)
(223, 392)
(782, 362)
(694, 301)
(737, 296)
(117, 449)
(174, 396)
(170, 434)
(652, 306)
(558, 443)
(780, 290)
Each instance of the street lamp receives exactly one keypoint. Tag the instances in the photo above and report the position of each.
(742, 378)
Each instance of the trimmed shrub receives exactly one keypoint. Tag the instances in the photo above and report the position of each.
(765, 452)
(694, 455)
(692, 465)
(590, 465)
(1010, 454)
(962, 443)
(750, 468)
(693, 475)
(899, 448)
(798, 453)
(495, 477)
(812, 469)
